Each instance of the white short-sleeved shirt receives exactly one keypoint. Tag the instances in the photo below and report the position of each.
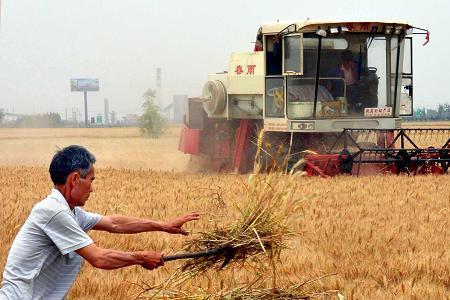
(42, 263)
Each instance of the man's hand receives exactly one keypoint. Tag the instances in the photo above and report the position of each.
(152, 260)
(174, 226)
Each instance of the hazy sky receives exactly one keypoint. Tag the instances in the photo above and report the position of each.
(44, 43)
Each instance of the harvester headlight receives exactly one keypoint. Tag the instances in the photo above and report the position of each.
(321, 32)
(409, 31)
(398, 29)
(334, 30)
(388, 29)
(344, 28)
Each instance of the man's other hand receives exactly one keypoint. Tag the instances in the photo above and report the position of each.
(174, 226)
(152, 260)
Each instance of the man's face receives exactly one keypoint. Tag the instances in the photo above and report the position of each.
(82, 188)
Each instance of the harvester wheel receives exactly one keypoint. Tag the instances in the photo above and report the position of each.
(444, 155)
(403, 162)
(345, 162)
(432, 168)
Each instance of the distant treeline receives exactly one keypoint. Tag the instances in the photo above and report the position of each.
(41, 120)
(53, 120)
(427, 114)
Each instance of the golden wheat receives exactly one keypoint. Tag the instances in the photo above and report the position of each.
(114, 147)
(384, 236)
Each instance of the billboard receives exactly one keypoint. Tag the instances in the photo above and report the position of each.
(84, 84)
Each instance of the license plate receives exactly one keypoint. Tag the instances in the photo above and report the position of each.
(302, 125)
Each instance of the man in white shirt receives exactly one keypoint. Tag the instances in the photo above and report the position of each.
(48, 251)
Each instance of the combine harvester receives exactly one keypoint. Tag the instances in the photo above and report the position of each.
(329, 94)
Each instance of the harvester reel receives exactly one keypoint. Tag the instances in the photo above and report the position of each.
(395, 149)
(214, 97)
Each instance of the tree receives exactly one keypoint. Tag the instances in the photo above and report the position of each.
(48, 120)
(152, 123)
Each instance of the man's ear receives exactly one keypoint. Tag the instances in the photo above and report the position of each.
(73, 178)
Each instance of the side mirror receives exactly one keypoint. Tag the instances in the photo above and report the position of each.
(406, 98)
(409, 88)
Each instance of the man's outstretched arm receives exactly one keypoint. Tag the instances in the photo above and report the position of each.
(113, 259)
(125, 224)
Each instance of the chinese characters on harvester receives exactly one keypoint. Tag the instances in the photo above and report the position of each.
(240, 70)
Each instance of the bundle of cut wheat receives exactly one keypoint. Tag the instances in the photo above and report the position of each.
(258, 232)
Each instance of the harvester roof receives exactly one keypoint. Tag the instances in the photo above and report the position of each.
(308, 25)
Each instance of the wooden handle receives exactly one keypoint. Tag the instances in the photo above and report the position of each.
(206, 253)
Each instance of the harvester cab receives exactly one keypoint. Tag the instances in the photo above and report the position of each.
(330, 94)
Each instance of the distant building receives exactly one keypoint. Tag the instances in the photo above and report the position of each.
(99, 119)
(175, 111)
(10, 117)
(131, 119)
(74, 119)
(180, 106)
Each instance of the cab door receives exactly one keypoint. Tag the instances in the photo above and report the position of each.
(406, 93)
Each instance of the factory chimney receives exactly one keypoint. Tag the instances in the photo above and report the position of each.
(106, 107)
(159, 100)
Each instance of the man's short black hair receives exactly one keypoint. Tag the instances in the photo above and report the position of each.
(69, 159)
(347, 55)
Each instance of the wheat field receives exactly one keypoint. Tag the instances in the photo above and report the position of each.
(384, 237)
(114, 147)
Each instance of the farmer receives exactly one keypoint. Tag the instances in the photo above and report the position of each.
(47, 253)
(348, 71)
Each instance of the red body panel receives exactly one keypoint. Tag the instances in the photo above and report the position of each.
(190, 141)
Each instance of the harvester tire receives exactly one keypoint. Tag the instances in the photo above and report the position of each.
(345, 162)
